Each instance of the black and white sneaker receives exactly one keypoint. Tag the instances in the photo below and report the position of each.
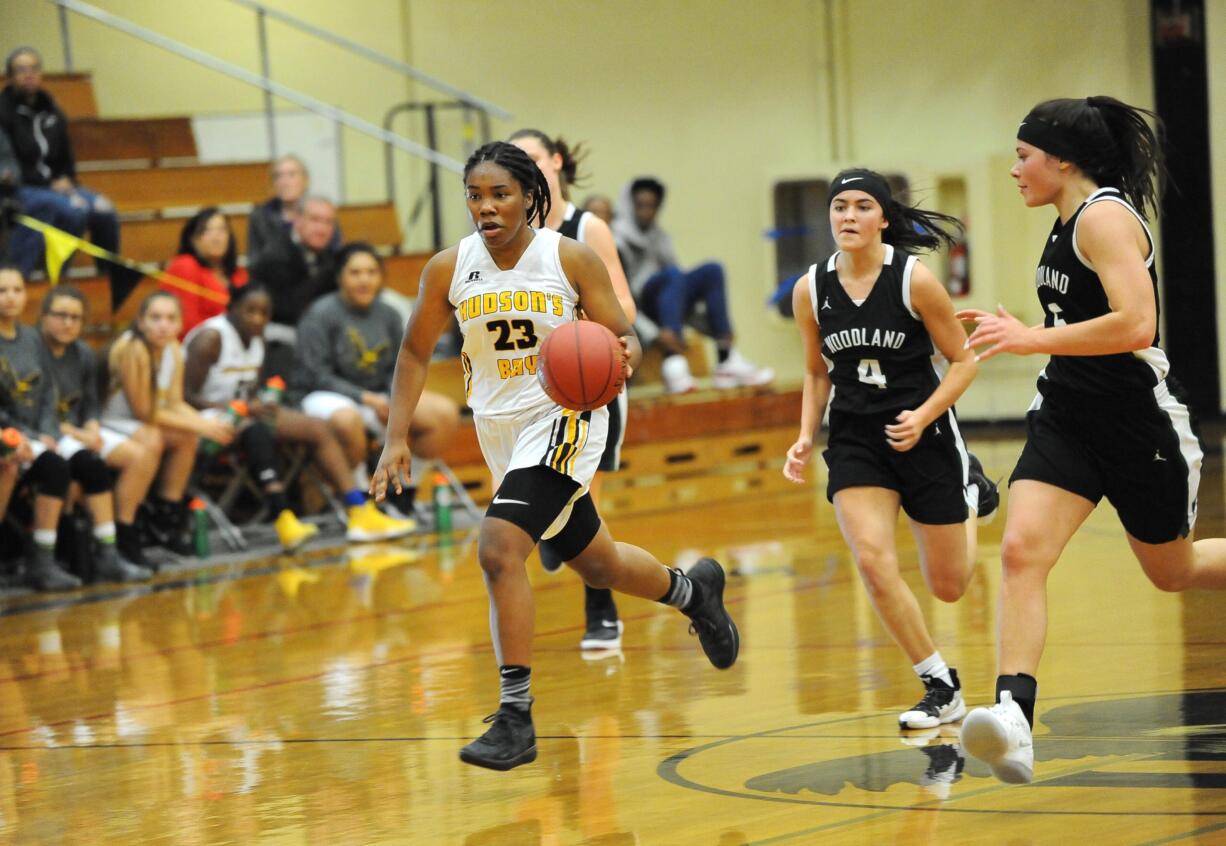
(602, 634)
(941, 704)
(989, 495)
(509, 742)
(710, 620)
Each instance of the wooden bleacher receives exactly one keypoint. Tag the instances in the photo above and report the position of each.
(679, 451)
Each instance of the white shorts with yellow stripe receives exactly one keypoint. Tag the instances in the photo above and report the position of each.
(570, 442)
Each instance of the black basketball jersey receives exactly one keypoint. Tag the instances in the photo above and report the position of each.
(879, 355)
(572, 224)
(1071, 292)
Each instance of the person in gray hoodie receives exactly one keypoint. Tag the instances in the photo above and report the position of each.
(667, 296)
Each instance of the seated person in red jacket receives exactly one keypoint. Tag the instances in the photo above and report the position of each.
(208, 258)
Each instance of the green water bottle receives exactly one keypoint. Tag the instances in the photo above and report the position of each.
(442, 504)
(200, 527)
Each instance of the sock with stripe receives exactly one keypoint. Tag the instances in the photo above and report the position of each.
(682, 592)
(516, 680)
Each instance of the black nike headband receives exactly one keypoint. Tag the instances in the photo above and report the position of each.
(858, 179)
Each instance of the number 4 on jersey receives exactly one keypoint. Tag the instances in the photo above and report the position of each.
(870, 372)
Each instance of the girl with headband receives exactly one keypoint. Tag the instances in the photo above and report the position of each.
(871, 317)
(1107, 421)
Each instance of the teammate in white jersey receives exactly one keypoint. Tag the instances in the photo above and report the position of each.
(560, 165)
(509, 286)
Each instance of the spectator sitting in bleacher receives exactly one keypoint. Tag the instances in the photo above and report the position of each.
(208, 257)
(347, 347)
(667, 295)
(49, 461)
(601, 206)
(224, 358)
(298, 270)
(74, 369)
(146, 389)
(38, 130)
(272, 221)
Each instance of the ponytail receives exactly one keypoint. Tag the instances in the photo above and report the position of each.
(1109, 140)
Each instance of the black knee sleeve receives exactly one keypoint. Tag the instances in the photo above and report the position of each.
(50, 475)
(257, 443)
(579, 530)
(88, 468)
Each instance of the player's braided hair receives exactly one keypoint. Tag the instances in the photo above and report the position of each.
(522, 169)
(1112, 143)
(571, 156)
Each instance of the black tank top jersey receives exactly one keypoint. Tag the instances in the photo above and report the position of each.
(1071, 292)
(570, 226)
(879, 355)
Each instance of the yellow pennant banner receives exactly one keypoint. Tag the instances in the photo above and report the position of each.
(61, 245)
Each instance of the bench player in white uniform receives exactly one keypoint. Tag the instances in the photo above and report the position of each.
(560, 166)
(225, 355)
(1107, 421)
(509, 286)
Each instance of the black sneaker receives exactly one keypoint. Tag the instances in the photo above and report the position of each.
(989, 496)
(42, 573)
(130, 548)
(113, 567)
(602, 634)
(509, 742)
(941, 704)
(710, 621)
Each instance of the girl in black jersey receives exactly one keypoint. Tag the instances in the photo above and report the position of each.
(877, 316)
(1104, 422)
(560, 166)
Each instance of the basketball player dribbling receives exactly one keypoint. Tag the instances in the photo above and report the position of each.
(509, 286)
(1106, 421)
(874, 321)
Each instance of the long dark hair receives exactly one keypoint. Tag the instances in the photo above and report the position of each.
(911, 228)
(522, 169)
(1111, 142)
(571, 157)
(195, 225)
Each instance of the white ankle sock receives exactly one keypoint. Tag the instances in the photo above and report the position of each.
(934, 666)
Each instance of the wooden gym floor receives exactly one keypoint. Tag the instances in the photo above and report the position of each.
(323, 701)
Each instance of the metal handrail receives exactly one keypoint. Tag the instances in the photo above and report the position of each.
(376, 57)
(307, 102)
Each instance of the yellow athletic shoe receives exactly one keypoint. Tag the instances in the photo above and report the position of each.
(368, 523)
(292, 532)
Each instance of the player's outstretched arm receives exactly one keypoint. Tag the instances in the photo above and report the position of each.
(426, 325)
(816, 385)
(588, 274)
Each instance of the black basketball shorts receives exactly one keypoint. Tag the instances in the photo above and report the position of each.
(611, 459)
(1141, 454)
(931, 478)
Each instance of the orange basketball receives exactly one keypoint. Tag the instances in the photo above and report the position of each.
(580, 366)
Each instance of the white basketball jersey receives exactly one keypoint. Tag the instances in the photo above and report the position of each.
(237, 370)
(505, 316)
(117, 406)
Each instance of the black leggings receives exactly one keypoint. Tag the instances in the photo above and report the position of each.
(88, 469)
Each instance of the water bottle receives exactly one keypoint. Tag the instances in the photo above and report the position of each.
(200, 527)
(442, 504)
(272, 391)
(236, 413)
(10, 440)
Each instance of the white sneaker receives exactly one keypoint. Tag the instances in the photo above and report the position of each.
(942, 703)
(1000, 737)
(737, 371)
(675, 371)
